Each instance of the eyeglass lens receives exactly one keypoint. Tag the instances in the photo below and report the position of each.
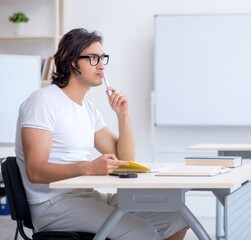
(94, 59)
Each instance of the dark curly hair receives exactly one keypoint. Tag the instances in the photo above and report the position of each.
(69, 49)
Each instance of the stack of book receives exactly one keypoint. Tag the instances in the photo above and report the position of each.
(223, 161)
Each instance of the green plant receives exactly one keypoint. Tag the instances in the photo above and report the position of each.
(18, 17)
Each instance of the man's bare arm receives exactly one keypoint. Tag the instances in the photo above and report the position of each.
(37, 147)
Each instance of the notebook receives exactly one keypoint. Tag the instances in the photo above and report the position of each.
(199, 171)
(133, 167)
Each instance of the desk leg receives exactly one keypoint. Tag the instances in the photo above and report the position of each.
(194, 223)
(218, 227)
(218, 220)
(109, 223)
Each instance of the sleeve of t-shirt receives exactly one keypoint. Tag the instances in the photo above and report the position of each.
(36, 112)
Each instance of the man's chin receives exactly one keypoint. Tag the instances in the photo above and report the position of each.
(97, 84)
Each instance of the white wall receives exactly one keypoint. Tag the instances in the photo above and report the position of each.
(128, 30)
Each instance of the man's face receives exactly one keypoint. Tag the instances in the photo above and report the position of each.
(91, 75)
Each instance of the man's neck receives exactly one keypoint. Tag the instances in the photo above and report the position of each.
(75, 91)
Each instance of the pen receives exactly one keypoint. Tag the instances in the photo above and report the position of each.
(113, 174)
(107, 85)
(124, 175)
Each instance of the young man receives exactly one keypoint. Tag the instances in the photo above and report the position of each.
(57, 127)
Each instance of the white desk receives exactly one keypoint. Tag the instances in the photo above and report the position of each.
(224, 149)
(151, 193)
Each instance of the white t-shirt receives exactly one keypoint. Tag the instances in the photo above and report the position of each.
(73, 128)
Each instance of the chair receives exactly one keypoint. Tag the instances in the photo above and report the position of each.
(2, 192)
(19, 208)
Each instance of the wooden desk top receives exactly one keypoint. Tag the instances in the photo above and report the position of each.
(221, 147)
(231, 180)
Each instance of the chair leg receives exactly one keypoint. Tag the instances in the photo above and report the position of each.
(16, 234)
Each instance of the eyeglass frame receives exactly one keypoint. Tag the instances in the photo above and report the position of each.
(95, 55)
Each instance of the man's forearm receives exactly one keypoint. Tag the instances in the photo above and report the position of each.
(126, 143)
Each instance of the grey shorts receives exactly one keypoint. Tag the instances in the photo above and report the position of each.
(86, 211)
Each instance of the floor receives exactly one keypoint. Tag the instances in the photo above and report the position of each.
(8, 227)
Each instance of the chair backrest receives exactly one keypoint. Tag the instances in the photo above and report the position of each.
(15, 192)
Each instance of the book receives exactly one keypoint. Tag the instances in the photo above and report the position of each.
(133, 167)
(195, 171)
(43, 68)
(224, 161)
(47, 68)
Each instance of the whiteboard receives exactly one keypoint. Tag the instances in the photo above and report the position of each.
(202, 70)
(20, 75)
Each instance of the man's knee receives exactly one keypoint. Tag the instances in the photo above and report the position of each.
(140, 231)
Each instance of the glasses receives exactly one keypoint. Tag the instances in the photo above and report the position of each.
(95, 58)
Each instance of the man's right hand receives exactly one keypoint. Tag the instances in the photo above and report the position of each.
(103, 165)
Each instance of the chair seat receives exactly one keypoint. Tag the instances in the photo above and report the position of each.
(87, 236)
(56, 235)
